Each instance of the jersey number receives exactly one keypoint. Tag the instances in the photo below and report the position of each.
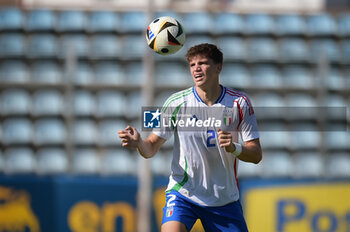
(171, 198)
(211, 138)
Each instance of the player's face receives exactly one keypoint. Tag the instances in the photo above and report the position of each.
(204, 71)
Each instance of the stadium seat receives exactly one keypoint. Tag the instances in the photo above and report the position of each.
(261, 49)
(19, 161)
(277, 164)
(192, 40)
(103, 21)
(304, 136)
(259, 23)
(268, 100)
(52, 161)
(247, 170)
(118, 162)
(84, 103)
(162, 96)
(337, 107)
(345, 48)
(322, 24)
(336, 136)
(265, 75)
(71, 20)
(109, 73)
(133, 22)
(327, 47)
(290, 24)
(12, 45)
(274, 135)
(337, 165)
(308, 164)
(197, 22)
(85, 132)
(48, 102)
(233, 47)
(134, 99)
(172, 74)
(11, 18)
(335, 79)
(17, 131)
(83, 74)
(301, 106)
(110, 103)
(298, 76)
(105, 46)
(134, 72)
(170, 13)
(108, 131)
(86, 162)
(14, 72)
(293, 50)
(344, 24)
(161, 163)
(235, 75)
(134, 47)
(42, 46)
(227, 23)
(49, 131)
(74, 44)
(40, 20)
(15, 102)
(48, 72)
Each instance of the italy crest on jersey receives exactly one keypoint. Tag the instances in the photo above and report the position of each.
(228, 115)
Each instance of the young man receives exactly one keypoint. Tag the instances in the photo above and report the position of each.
(203, 183)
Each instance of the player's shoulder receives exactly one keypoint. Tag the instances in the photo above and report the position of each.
(179, 96)
(237, 95)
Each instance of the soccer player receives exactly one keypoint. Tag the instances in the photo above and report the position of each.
(203, 183)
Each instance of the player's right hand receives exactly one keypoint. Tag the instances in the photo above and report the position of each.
(130, 137)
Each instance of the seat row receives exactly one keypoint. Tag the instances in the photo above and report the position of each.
(193, 22)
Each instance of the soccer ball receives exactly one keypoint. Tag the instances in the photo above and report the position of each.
(165, 35)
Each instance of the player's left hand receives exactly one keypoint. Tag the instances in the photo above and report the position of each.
(225, 140)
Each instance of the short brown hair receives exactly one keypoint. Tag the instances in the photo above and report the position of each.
(207, 50)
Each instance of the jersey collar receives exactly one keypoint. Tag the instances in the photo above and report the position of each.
(199, 99)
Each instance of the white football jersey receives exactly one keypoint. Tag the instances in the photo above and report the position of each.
(200, 169)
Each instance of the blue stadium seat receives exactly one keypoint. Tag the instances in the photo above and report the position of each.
(133, 22)
(336, 137)
(337, 165)
(17, 131)
(337, 107)
(308, 164)
(259, 23)
(235, 75)
(134, 47)
(162, 96)
(83, 74)
(85, 132)
(15, 102)
(192, 40)
(321, 24)
(110, 103)
(42, 46)
(161, 164)
(246, 169)
(105, 46)
(265, 75)
(268, 100)
(71, 20)
(134, 99)
(302, 106)
(335, 79)
(298, 76)
(14, 72)
(274, 135)
(197, 22)
(344, 24)
(134, 73)
(12, 45)
(76, 44)
(46, 72)
(290, 24)
(41, 20)
(20, 161)
(103, 21)
(261, 49)
(277, 164)
(118, 162)
(11, 18)
(345, 48)
(108, 131)
(170, 13)
(172, 74)
(304, 135)
(227, 23)
(234, 47)
(293, 49)
(86, 161)
(50, 131)
(52, 161)
(84, 103)
(48, 102)
(109, 73)
(328, 47)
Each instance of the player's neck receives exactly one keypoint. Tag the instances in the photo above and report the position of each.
(209, 96)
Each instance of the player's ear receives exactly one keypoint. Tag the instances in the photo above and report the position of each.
(219, 68)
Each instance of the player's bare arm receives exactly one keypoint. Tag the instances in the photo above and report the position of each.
(147, 148)
(251, 151)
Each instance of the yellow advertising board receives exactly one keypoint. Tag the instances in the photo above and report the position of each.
(307, 207)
